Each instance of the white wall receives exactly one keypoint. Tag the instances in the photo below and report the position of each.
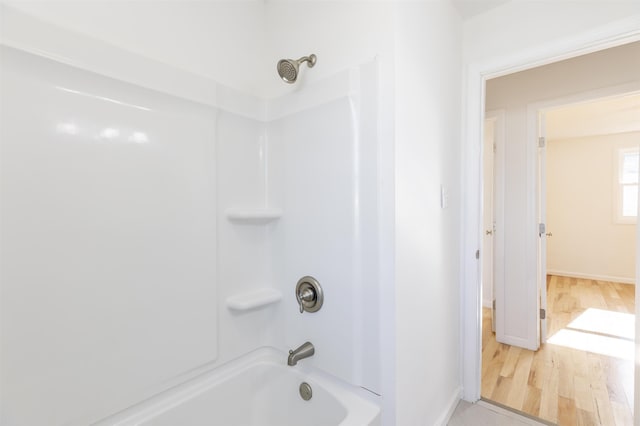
(190, 35)
(513, 93)
(341, 34)
(524, 25)
(586, 241)
(427, 240)
(617, 114)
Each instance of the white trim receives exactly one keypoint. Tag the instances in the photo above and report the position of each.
(609, 278)
(618, 157)
(508, 413)
(451, 407)
(610, 35)
(471, 321)
(486, 303)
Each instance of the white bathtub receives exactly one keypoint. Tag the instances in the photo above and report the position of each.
(258, 389)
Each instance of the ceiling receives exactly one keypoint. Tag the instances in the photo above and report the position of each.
(603, 116)
(471, 8)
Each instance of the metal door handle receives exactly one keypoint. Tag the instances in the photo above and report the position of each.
(488, 232)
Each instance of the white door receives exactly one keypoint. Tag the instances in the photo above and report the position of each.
(488, 219)
(543, 232)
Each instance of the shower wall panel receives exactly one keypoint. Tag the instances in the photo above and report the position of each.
(321, 231)
(248, 261)
(323, 171)
(108, 238)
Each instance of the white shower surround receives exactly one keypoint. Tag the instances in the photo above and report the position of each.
(269, 150)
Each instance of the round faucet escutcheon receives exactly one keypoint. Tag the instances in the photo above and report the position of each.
(309, 294)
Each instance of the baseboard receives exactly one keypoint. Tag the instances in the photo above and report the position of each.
(451, 407)
(610, 278)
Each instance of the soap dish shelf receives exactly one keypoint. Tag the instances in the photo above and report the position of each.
(253, 216)
(253, 299)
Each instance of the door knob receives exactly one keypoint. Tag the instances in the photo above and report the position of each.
(488, 232)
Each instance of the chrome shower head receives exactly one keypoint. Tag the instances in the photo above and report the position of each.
(288, 68)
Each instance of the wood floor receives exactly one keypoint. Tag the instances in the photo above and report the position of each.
(558, 383)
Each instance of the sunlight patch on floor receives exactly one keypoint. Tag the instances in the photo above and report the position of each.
(615, 324)
(599, 331)
(596, 343)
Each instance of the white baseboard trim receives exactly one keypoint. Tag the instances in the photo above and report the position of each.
(610, 278)
(451, 407)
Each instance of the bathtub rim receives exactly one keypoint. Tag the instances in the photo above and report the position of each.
(367, 404)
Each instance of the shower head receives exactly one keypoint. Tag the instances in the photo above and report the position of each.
(288, 68)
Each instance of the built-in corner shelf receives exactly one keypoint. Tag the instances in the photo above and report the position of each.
(253, 299)
(254, 216)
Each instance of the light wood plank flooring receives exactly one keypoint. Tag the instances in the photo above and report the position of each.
(592, 385)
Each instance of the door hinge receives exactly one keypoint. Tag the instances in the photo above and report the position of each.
(495, 148)
(477, 254)
(543, 313)
(542, 229)
(494, 304)
(542, 142)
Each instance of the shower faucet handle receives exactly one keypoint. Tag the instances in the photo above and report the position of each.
(306, 296)
(309, 294)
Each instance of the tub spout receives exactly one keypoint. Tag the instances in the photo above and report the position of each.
(304, 351)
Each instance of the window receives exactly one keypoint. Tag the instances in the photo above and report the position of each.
(627, 185)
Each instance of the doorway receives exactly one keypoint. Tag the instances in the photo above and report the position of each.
(585, 371)
(479, 72)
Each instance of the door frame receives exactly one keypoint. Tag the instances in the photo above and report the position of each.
(498, 118)
(621, 32)
(541, 211)
(535, 112)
